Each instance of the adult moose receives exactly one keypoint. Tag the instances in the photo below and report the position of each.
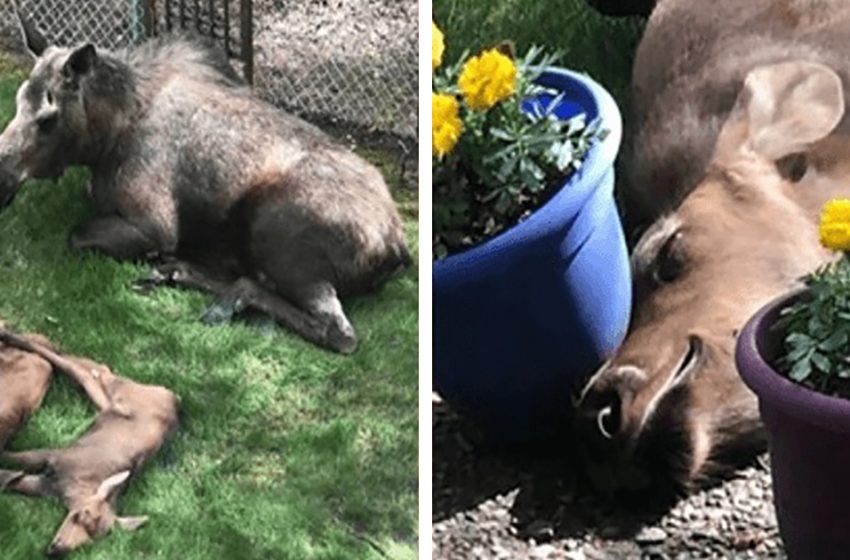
(739, 135)
(188, 165)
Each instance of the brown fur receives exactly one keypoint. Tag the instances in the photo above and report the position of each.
(741, 137)
(24, 380)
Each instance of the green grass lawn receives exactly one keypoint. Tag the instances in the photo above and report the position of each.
(285, 451)
(603, 47)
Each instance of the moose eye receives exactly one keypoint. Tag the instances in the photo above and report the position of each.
(87, 521)
(670, 260)
(49, 97)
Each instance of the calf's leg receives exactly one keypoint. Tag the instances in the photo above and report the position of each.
(85, 372)
(30, 461)
(28, 484)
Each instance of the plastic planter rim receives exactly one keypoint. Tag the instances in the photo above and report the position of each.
(776, 391)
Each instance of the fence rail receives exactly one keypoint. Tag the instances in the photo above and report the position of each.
(351, 63)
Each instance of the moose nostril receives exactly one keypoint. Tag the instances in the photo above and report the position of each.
(608, 417)
(7, 200)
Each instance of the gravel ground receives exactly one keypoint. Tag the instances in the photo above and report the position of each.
(353, 60)
(498, 504)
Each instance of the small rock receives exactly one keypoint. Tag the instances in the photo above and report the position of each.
(592, 553)
(705, 533)
(575, 555)
(650, 536)
(543, 551)
(747, 540)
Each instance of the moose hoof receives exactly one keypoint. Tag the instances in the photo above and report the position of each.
(219, 313)
(148, 283)
(77, 242)
(341, 338)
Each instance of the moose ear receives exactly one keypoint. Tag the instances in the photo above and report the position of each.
(80, 62)
(9, 477)
(789, 106)
(111, 485)
(35, 42)
(131, 523)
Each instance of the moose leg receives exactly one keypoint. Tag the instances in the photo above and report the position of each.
(88, 375)
(182, 274)
(30, 461)
(85, 372)
(235, 297)
(321, 301)
(116, 237)
(317, 328)
(28, 484)
(319, 318)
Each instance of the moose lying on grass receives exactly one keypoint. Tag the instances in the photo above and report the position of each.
(740, 135)
(132, 423)
(259, 207)
(24, 380)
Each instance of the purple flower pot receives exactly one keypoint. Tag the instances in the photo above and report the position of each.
(809, 436)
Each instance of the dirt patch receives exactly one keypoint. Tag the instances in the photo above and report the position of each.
(354, 60)
(501, 505)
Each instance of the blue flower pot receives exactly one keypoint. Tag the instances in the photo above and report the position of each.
(519, 319)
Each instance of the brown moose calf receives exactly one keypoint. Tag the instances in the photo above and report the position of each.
(132, 423)
(24, 379)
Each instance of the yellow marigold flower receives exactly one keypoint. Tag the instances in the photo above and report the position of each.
(438, 45)
(835, 225)
(487, 79)
(446, 125)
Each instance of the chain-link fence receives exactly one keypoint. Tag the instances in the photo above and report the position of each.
(348, 64)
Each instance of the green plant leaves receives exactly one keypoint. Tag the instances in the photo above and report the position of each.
(508, 161)
(817, 332)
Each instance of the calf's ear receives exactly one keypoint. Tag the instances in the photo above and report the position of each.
(783, 109)
(131, 523)
(7, 478)
(111, 485)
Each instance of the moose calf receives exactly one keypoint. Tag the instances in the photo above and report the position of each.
(132, 423)
(24, 380)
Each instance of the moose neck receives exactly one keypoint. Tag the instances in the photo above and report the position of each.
(113, 105)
